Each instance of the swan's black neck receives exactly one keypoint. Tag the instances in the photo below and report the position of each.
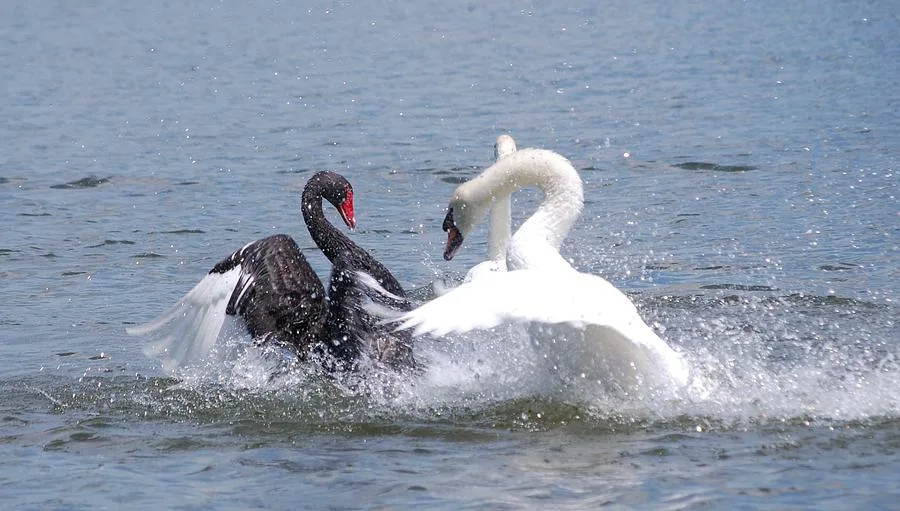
(329, 239)
(351, 331)
(343, 253)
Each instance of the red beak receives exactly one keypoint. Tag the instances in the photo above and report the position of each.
(346, 210)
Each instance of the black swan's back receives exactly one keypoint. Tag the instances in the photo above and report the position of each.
(352, 331)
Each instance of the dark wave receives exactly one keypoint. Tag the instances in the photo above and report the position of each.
(699, 165)
(839, 267)
(85, 182)
(111, 242)
(739, 287)
(701, 301)
(185, 231)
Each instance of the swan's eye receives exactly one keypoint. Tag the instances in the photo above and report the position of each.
(448, 221)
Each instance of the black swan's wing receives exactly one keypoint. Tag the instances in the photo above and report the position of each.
(267, 283)
(277, 294)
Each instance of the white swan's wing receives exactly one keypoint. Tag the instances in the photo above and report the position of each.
(489, 266)
(187, 332)
(521, 296)
(628, 351)
(585, 309)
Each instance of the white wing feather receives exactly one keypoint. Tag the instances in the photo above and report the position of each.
(602, 324)
(187, 333)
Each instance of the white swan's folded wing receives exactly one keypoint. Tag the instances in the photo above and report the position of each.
(187, 332)
(489, 266)
(634, 349)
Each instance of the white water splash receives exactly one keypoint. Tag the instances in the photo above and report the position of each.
(751, 359)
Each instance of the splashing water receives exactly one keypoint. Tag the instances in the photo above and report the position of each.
(752, 359)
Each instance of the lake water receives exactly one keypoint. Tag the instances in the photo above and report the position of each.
(740, 162)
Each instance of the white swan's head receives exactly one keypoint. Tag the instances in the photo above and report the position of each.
(503, 146)
(462, 217)
(514, 170)
(465, 210)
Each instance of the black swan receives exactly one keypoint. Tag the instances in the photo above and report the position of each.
(270, 285)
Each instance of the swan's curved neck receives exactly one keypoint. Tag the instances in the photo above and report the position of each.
(500, 228)
(546, 170)
(329, 239)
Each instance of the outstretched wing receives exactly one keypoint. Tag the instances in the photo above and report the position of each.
(278, 293)
(267, 283)
(187, 332)
(523, 296)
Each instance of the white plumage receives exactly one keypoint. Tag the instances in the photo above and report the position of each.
(186, 334)
(578, 321)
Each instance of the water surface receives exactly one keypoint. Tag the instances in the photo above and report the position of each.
(740, 179)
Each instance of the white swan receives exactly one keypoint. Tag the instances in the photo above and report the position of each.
(597, 331)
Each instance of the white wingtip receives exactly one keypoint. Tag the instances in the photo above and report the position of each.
(187, 332)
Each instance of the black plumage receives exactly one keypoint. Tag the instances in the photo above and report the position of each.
(278, 294)
(281, 299)
(350, 331)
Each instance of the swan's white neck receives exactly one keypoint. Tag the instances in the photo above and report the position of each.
(500, 228)
(547, 170)
(501, 212)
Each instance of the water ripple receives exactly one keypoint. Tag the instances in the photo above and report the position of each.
(85, 182)
(699, 165)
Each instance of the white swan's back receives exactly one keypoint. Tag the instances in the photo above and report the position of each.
(575, 318)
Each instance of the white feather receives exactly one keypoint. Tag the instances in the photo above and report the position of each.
(187, 333)
(601, 329)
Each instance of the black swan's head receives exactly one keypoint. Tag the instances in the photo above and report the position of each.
(335, 189)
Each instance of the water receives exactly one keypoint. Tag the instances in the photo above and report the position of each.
(740, 166)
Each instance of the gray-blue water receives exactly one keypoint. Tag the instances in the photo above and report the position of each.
(740, 162)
